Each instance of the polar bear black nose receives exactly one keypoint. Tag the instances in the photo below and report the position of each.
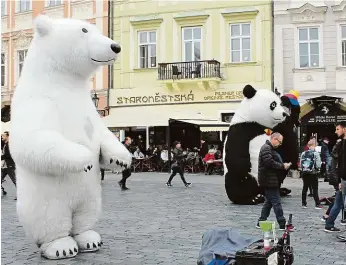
(115, 48)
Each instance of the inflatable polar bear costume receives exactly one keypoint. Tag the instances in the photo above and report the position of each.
(57, 136)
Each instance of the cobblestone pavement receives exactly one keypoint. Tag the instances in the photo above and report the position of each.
(153, 224)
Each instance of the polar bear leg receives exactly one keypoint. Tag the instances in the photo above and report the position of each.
(61, 248)
(83, 221)
(48, 222)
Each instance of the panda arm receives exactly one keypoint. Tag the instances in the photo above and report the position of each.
(237, 154)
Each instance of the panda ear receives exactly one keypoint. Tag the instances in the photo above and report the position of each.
(249, 91)
(43, 25)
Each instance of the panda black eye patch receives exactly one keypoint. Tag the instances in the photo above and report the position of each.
(84, 30)
(273, 105)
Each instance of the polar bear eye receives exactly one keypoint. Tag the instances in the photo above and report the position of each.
(273, 105)
(84, 30)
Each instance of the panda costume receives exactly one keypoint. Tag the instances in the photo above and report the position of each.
(289, 151)
(258, 111)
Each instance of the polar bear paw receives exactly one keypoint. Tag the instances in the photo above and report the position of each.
(120, 164)
(88, 168)
(61, 248)
(88, 241)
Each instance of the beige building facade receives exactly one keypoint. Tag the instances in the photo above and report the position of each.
(17, 18)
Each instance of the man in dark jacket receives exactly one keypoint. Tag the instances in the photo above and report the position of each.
(178, 164)
(340, 178)
(8, 166)
(126, 172)
(270, 166)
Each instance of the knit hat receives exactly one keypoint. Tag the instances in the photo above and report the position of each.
(293, 96)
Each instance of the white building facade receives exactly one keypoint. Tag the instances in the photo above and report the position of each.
(310, 47)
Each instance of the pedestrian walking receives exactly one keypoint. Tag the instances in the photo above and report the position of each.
(126, 173)
(178, 164)
(310, 164)
(270, 167)
(8, 166)
(339, 203)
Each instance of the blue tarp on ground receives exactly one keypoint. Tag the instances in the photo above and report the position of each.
(222, 242)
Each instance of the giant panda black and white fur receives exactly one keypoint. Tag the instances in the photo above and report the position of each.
(259, 110)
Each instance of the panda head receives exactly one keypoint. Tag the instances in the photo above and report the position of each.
(261, 106)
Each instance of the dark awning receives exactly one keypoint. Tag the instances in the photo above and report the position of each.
(205, 125)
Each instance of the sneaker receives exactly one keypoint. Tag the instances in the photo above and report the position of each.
(187, 185)
(258, 226)
(343, 222)
(304, 206)
(318, 207)
(342, 238)
(282, 227)
(120, 184)
(324, 219)
(124, 188)
(4, 192)
(332, 230)
(168, 184)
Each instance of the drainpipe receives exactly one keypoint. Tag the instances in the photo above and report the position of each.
(110, 35)
(272, 48)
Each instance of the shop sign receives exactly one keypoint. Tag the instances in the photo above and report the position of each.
(326, 112)
(159, 98)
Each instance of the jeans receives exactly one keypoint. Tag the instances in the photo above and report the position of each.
(10, 171)
(176, 170)
(125, 175)
(337, 207)
(272, 199)
(310, 180)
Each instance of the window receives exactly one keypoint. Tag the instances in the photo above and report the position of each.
(21, 58)
(309, 47)
(240, 42)
(3, 69)
(3, 8)
(147, 49)
(192, 41)
(53, 2)
(343, 45)
(23, 5)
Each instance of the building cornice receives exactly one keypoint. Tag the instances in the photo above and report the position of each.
(308, 13)
(340, 11)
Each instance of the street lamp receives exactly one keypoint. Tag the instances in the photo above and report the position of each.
(95, 99)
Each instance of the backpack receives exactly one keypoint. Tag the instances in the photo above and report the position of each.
(308, 162)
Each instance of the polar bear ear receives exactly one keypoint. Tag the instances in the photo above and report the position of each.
(43, 25)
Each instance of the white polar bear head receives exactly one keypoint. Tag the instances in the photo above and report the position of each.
(73, 45)
(262, 106)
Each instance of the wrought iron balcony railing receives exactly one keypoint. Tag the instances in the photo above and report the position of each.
(189, 70)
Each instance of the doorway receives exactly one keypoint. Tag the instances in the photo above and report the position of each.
(323, 130)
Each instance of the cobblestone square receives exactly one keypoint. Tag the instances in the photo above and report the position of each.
(153, 224)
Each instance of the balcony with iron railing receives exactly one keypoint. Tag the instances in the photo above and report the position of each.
(206, 74)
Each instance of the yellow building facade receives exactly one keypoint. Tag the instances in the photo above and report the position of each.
(185, 60)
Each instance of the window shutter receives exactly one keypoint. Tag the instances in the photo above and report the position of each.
(17, 6)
